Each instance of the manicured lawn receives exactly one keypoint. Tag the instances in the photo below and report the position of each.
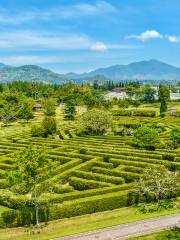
(156, 236)
(82, 224)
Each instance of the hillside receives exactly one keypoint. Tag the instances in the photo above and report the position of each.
(143, 70)
(30, 73)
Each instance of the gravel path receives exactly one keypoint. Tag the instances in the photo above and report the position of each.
(129, 230)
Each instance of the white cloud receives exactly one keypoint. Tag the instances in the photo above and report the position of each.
(150, 34)
(144, 36)
(19, 16)
(173, 38)
(20, 40)
(99, 46)
(32, 40)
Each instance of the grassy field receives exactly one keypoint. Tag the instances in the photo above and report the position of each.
(81, 224)
(156, 236)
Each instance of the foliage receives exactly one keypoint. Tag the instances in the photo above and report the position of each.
(37, 131)
(49, 107)
(70, 111)
(8, 114)
(32, 167)
(175, 136)
(27, 174)
(148, 94)
(146, 137)
(25, 110)
(163, 108)
(164, 97)
(49, 126)
(96, 121)
(159, 183)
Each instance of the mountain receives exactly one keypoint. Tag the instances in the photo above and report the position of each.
(30, 73)
(2, 65)
(143, 70)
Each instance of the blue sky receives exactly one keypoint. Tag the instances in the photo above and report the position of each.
(83, 35)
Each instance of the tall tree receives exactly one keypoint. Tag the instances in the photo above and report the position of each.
(164, 97)
(70, 111)
(96, 121)
(49, 107)
(159, 183)
(31, 169)
(25, 110)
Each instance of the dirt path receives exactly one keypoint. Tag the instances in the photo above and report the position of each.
(129, 230)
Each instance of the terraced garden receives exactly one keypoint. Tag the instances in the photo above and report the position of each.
(99, 171)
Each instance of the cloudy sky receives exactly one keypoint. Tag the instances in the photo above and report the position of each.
(81, 35)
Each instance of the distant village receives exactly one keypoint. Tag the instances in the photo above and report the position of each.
(121, 93)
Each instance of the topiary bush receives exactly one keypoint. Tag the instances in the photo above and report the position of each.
(96, 121)
(146, 137)
(83, 151)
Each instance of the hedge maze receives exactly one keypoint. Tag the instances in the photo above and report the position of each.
(94, 173)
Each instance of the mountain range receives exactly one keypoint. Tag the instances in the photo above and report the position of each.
(142, 71)
(30, 73)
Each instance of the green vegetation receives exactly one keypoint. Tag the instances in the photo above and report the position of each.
(146, 137)
(164, 235)
(81, 224)
(79, 154)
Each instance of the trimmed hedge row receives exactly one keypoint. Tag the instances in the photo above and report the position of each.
(59, 198)
(11, 200)
(77, 207)
(143, 113)
(129, 177)
(81, 184)
(99, 177)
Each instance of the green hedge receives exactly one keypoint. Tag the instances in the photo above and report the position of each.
(59, 198)
(78, 207)
(84, 184)
(144, 113)
(99, 177)
(139, 112)
(89, 205)
(11, 200)
(129, 177)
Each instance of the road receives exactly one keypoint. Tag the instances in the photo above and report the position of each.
(125, 231)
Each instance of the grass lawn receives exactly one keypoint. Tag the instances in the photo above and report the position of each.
(82, 224)
(155, 236)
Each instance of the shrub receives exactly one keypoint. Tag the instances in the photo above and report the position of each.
(59, 188)
(124, 131)
(144, 113)
(87, 205)
(96, 121)
(106, 158)
(83, 151)
(146, 137)
(49, 126)
(84, 184)
(37, 131)
(175, 136)
(121, 112)
(168, 156)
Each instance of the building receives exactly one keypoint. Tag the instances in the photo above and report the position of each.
(37, 107)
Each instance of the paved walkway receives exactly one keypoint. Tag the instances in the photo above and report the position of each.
(129, 230)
